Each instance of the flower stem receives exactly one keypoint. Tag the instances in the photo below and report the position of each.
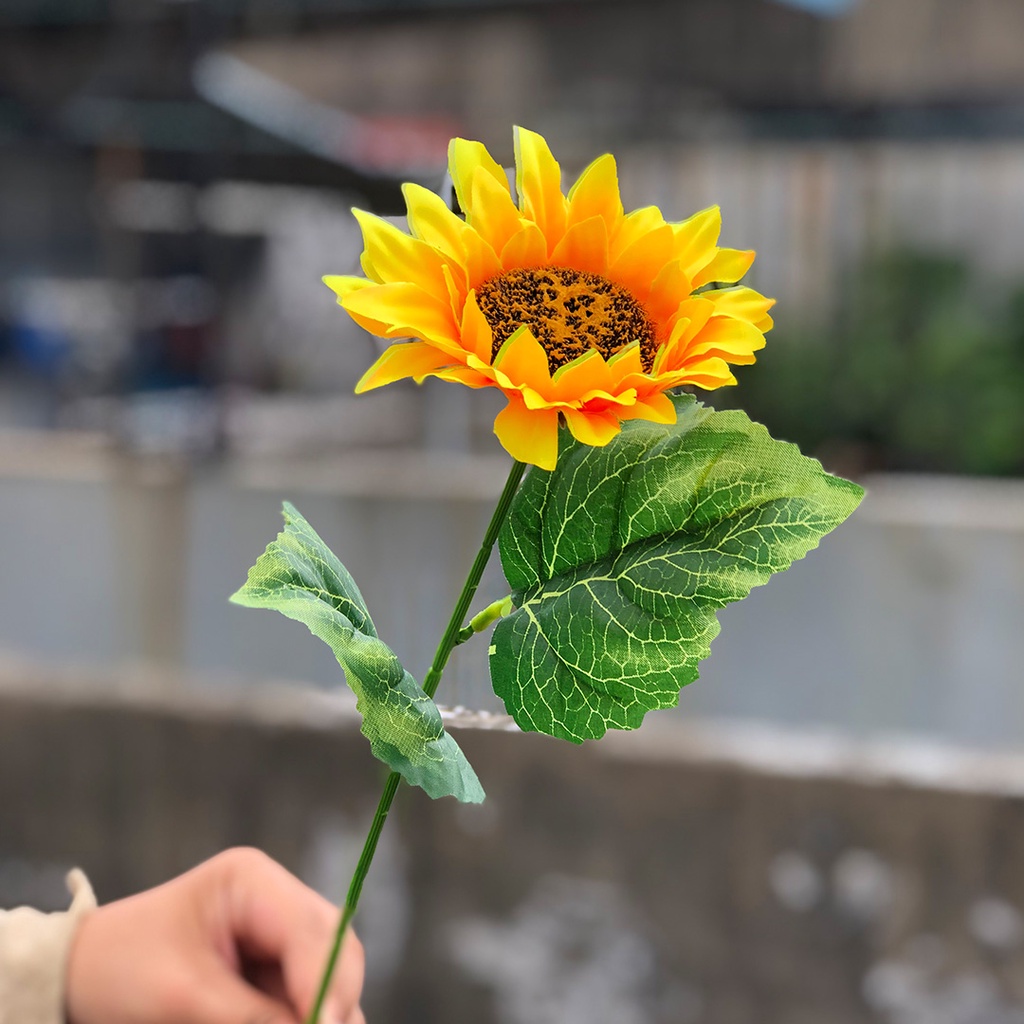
(451, 634)
(444, 649)
(354, 890)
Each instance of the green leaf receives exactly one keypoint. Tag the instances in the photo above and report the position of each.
(299, 576)
(619, 558)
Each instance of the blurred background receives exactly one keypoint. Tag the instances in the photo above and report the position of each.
(835, 807)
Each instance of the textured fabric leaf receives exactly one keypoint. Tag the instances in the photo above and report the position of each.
(619, 558)
(300, 577)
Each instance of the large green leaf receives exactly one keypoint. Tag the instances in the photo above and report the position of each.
(619, 558)
(300, 577)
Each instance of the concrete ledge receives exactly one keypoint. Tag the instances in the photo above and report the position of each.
(684, 873)
(761, 747)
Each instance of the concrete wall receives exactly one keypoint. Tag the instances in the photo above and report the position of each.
(905, 620)
(678, 875)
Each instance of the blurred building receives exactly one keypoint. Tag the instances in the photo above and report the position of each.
(175, 177)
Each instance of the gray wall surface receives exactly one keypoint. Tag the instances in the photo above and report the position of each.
(905, 620)
(678, 875)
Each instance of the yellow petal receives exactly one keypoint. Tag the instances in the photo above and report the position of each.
(477, 336)
(596, 194)
(707, 373)
(392, 255)
(533, 399)
(697, 239)
(671, 287)
(411, 359)
(592, 401)
(406, 312)
(690, 318)
(733, 340)
(493, 215)
(640, 263)
(432, 222)
(588, 372)
(584, 247)
(523, 361)
(728, 266)
(656, 407)
(465, 158)
(528, 435)
(368, 269)
(666, 358)
(696, 310)
(455, 287)
(539, 184)
(626, 361)
(526, 248)
(742, 303)
(346, 284)
(633, 227)
(481, 260)
(593, 428)
(463, 375)
(602, 401)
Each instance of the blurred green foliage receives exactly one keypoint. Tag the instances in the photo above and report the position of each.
(924, 371)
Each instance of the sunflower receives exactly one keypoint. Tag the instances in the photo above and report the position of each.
(573, 309)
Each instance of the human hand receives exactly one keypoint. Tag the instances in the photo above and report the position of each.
(236, 940)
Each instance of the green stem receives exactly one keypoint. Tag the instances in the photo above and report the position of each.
(451, 634)
(430, 683)
(354, 890)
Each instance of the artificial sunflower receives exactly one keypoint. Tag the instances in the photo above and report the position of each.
(569, 306)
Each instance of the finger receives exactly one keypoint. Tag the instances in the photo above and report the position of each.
(220, 997)
(275, 917)
(347, 983)
(356, 1017)
(304, 965)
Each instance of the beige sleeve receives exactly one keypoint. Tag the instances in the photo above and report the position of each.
(33, 957)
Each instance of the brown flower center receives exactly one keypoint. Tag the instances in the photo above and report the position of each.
(569, 312)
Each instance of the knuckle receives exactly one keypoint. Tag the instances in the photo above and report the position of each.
(239, 860)
(245, 855)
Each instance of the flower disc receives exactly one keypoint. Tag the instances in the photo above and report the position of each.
(568, 311)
